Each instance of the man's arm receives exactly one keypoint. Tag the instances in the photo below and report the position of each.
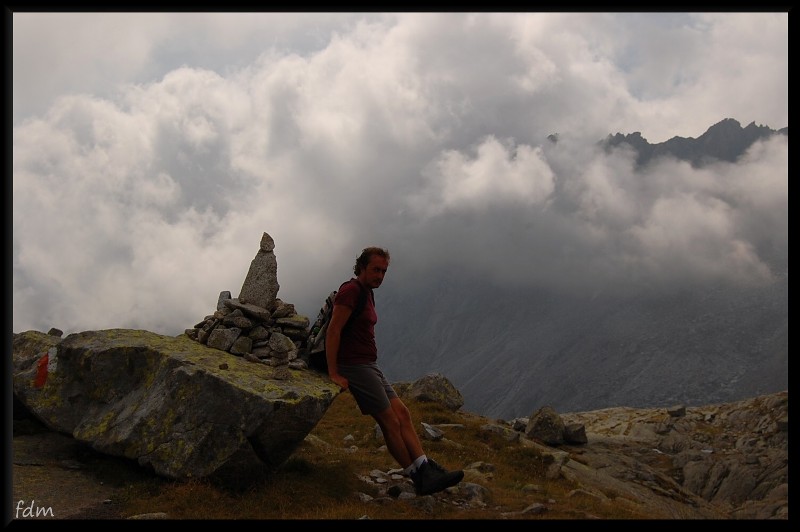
(341, 314)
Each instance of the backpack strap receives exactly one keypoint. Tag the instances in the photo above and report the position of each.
(316, 351)
(362, 301)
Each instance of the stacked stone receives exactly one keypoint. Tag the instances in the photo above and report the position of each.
(257, 325)
(274, 336)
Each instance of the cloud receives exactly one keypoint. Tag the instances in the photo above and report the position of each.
(497, 175)
(139, 196)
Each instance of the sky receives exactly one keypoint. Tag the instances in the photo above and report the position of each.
(151, 151)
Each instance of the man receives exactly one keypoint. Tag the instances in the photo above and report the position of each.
(352, 353)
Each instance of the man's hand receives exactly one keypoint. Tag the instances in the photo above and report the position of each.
(341, 381)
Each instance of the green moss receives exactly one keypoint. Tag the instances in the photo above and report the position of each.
(49, 397)
(97, 428)
(248, 376)
(116, 371)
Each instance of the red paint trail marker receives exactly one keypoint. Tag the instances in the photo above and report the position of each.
(41, 371)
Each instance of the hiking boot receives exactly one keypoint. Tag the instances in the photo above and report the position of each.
(430, 478)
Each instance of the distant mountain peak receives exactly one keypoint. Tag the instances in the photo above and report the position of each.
(726, 140)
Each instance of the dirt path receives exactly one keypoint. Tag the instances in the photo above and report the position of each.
(56, 477)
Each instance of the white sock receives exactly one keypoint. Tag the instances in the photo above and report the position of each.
(415, 465)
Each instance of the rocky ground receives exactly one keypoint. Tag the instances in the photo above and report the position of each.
(727, 461)
(733, 456)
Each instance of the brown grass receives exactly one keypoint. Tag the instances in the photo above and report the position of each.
(321, 482)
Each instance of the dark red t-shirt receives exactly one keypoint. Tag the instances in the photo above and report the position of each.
(357, 345)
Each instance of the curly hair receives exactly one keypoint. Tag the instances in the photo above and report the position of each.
(366, 255)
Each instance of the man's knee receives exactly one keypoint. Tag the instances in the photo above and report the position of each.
(401, 411)
(388, 420)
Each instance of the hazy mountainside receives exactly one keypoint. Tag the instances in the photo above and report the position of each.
(524, 350)
(512, 350)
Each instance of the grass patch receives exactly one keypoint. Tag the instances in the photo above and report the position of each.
(324, 477)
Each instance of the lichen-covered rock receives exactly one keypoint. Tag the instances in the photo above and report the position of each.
(435, 388)
(170, 403)
(547, 426)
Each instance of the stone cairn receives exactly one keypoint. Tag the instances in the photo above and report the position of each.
(257, 325)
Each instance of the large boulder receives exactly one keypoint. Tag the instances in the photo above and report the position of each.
(174, 405)
(435, 388)
(546, 425)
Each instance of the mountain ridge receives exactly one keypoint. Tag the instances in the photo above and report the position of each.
(726, 141)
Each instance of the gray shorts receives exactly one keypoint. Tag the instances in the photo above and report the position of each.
(369, 387)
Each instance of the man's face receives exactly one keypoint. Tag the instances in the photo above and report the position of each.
(375, 270)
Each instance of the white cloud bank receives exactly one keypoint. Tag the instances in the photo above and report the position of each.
(147, 168)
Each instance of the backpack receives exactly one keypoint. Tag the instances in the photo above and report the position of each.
(317, 358)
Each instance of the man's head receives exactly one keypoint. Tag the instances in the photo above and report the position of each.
(371, 266)
(363, 260)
